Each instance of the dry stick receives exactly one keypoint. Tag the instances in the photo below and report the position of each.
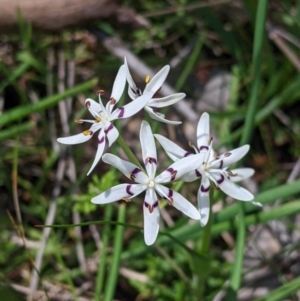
(49, 221)
(71, 171)
(282, 45)
(117, 48)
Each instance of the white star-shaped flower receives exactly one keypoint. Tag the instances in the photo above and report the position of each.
(211, 168)
(103, 116)
(147, 181)
(154, 103)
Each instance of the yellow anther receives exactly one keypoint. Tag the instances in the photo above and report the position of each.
(147, 79)
(98, 119)
(101, 92)
(112, 101)
(79, 121)
(127, 200)
(190, 144)
(87, 133)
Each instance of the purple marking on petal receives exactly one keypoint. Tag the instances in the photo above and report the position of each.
(87, 104)
(150, 160)
(221, 164)
(122, 110)
(155, 204)
(187, 154)
(170, 193)
(133, 173)
(101, 140)
(173, 173)
(128, 189)
(198, 174)
(109, 128)
(221, 180)
(203, 189)
(203, 147)
(151, 207)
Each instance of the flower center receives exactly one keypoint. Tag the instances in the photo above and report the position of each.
(151, 184)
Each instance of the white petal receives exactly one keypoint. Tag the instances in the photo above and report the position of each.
(118, 88)
(100, 150)
(157, 81)
(230, 157)
(119, 84)
(132, 108)
(75, 139)
(158, 116)
(231, 189)
(151, 217)
(179, 202)
(190, 177)
(117, 193)
(130, 170)
(203, 135)
(132, 88)
(94, 107)
(203, 200)
(174, 151)
(241, 174)
(148, 149)
(111, 133)
(180, 168)
(165, 101)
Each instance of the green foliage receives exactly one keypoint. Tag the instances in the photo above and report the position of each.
(95, 186)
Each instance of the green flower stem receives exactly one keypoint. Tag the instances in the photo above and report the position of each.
(132, 158)
(205, 243)
(114, 267)
(102, 265)
(236, 275)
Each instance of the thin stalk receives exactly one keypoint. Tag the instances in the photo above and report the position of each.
(114, 268)
(132, 158)
(102, 258)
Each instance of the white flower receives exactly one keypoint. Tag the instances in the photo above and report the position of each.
(147, 181)
(105, 115)
(211, 168)
(134, 92)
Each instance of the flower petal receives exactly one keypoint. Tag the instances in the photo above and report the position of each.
(165, 101)
(174, 151)
(203, 135)
(94, 107)
(180, 168)
(151, 217)
(158, 116)
(148, 149)
(117, 193)
(132, 88)
(130, 170)
(230, 157)
(76, 139)
(230, 188)
(157, 81)
(203, 200)
(111, 133)
(178, 201)
(132, 108)
(240, 174)
(100, 150)
(118, 88)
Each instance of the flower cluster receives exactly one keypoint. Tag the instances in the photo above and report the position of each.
(202, 164)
